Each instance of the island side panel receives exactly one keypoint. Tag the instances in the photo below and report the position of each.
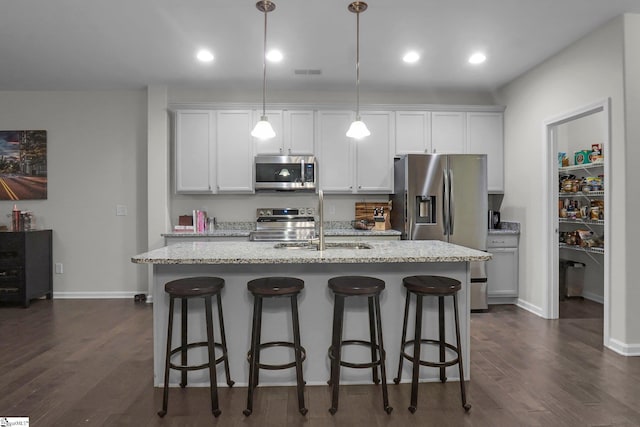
(316, 310)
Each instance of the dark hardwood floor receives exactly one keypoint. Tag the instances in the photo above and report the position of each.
(88, 362)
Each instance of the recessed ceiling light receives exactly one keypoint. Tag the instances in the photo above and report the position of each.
(477, 58)
(411, 57)
(274, 55)
(204, 55)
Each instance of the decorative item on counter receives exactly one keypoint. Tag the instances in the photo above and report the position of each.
(185, 224)
(199, 221)
(362, 224)
(374, 213)
(15, 219)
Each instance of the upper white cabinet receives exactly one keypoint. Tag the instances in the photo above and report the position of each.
(234, 151)
(335, 154)
(294, 132)
(374, 154)
(355, 166)
(448, 132)
(413, 132)
(299, 132)
(194, 151)
(485, 136)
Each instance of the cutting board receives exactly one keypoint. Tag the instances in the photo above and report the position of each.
(364, 211)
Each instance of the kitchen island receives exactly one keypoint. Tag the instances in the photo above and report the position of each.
(239, 262)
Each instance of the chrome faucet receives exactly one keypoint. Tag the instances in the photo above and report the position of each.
(321, 246)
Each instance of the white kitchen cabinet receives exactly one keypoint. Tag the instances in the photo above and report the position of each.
(502, 269)
(485, 136)
(355, 166)
(448, 132)
(234, 151)
(374, 154)
(413, 132)
(194, 151)
(335, 151)
(294, 132)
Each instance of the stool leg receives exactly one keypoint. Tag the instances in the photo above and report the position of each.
(298, 353)
(383, 356)
(403, 339)
(254, 350)
(372, 334)
(223, 340)
(416, 355)
(165, 393)
(183, 334)
(441, 338)
(335, 351)
(213, 379)
(463, 393)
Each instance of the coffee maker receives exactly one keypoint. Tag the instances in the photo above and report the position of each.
(494, 219)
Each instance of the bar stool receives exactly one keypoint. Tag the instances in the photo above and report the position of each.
(273, 287)
(353, 286)
(185, 289)
(440, 287)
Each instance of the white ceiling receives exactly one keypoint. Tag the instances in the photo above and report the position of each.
(98, 44)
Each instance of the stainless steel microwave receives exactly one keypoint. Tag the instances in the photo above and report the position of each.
(285, 173)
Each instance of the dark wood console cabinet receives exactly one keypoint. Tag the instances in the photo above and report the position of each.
(25, 266)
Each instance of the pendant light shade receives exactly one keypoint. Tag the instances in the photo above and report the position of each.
(263, 129)
(358, 129)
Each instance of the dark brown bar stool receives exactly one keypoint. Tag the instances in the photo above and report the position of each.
(185, 289)
(440, 287)
(273, 287)
(354, 286)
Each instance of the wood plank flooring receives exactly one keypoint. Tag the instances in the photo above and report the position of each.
(89, 363)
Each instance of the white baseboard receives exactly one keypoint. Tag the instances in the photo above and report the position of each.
(530, 307)
(622, 348)
(95, 295)
(593, 297)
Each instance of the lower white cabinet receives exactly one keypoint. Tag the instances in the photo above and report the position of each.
(502, 269)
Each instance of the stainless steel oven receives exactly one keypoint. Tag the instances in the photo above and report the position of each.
(284, 224)
(285, 173)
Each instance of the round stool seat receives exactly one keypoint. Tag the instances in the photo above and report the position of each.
(432, 285)
(194, 286)
(356, 285)
(275, 286)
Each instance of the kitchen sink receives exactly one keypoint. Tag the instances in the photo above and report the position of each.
(328, 245)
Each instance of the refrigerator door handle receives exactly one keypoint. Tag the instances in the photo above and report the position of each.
(445, 204)
(452, 203)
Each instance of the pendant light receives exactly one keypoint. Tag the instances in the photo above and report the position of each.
(358, 129)
(263, 129)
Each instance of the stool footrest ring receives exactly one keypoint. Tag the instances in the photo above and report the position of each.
(274, 367)
(429, 363)
(371, 364)
(189, 346)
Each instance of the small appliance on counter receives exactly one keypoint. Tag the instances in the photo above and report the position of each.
(494, 220)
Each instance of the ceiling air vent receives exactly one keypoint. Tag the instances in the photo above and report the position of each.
(307, 72)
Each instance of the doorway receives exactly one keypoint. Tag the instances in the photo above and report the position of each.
(573, 132)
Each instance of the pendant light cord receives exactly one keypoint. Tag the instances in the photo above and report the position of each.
(358, 65)
(264, 62)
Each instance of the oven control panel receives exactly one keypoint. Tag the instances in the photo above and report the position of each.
(284, 212)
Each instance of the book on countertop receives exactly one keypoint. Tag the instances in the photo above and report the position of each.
(183, 228)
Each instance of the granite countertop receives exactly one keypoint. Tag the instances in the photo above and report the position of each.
(327, 232)
(506, 227)
(265, 253)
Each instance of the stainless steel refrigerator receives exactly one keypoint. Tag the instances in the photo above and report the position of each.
(444, 197)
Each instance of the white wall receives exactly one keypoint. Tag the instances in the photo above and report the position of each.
(586, 72)
(96, 154)
(632, 152)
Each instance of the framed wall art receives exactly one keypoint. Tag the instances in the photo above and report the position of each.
(23, 164)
